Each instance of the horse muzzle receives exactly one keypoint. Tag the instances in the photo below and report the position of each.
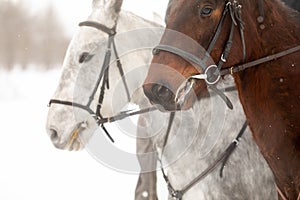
(72, 142)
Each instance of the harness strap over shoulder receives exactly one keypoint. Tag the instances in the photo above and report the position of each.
(222, 159)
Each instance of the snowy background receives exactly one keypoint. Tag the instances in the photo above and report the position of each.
(31, 168)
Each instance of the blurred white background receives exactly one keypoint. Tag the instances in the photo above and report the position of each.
(31, 168)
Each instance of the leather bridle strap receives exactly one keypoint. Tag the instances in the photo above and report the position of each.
(125, 114)
(219, 29)
(200, 64)
(73, 104)
(222, 159)
(101, 27)
(111, 45)
(238, 68)
(103, 76)
(121, 71)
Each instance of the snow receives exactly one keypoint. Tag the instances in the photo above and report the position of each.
(31, 167)
(80, 9)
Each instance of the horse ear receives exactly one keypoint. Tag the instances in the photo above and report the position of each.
(98, 3)
(113, 5)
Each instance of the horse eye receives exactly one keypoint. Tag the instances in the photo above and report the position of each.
(85, 57)
(206, 11)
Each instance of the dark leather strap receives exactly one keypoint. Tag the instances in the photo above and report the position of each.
(238, 68)
(219, 29)
(121, 71)
(200, 64)
(69, 103)
(101, 27)
(222, 159)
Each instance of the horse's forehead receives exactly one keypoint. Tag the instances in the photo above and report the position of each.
(177, 5)
(97, 3)
(89, 39)
(108, 4)
(176, 2)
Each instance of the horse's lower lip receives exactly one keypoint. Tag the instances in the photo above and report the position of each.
(74, 143)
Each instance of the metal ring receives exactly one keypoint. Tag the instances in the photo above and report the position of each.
(217, 79)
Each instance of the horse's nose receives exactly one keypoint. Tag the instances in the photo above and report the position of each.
(162, 93)
(159, 94)
(55, 138)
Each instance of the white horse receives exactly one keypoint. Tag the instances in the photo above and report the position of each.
(72, 127)
(81, 68)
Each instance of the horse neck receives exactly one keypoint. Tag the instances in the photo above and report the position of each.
(269, 91)
(275, 81)
(128, 21)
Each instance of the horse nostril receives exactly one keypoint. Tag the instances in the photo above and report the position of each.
(53, 135)
(161, 92)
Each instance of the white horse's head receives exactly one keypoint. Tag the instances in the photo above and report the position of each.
(81, 68)
(71, 127)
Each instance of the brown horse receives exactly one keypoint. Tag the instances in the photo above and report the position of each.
(235, 33)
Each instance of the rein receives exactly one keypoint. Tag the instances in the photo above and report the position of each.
(238, 68)
(104, 77)
(221, 160)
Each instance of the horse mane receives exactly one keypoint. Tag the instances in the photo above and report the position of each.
(284, 20)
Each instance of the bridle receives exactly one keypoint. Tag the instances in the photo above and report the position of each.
(104, 77)
(211, 74)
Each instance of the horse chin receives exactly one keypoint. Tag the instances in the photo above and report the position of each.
(80, 136)
(74, 143)
(77, 137)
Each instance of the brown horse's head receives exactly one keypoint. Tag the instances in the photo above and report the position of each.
(199, 21)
